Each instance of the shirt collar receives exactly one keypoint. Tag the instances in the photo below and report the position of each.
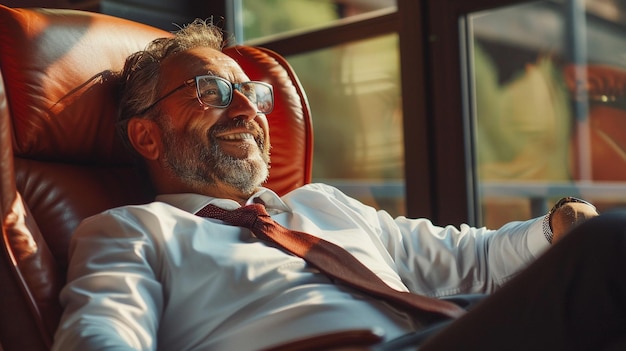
(192, 203)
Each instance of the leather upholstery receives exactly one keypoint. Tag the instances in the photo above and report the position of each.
(60, 160)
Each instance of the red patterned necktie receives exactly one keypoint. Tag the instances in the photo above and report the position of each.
(330, 259)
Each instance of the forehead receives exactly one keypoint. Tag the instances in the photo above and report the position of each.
(198, 61)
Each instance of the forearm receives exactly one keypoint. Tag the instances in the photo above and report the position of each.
(442, 261)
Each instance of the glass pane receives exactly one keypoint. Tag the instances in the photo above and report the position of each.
(354, 93)
(549, 88)
(260, 18)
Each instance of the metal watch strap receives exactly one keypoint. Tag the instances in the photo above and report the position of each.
(546, 225)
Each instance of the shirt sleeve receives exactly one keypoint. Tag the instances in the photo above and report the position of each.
(112, 300)
(442, 261)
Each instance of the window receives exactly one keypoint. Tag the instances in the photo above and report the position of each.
(547, 89)
(267, 18)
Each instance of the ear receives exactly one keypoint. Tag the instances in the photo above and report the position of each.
(144, 135)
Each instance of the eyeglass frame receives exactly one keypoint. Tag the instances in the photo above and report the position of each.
(194, 81)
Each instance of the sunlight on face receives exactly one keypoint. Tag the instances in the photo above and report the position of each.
(202, 162)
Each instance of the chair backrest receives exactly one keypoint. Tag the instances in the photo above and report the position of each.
(60, 160)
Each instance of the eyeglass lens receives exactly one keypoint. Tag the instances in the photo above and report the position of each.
(218, 92)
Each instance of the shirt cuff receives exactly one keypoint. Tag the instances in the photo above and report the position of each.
(537, 241)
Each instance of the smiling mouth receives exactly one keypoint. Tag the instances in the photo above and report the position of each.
(236, 136)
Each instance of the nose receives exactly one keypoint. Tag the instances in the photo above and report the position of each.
(241, 107)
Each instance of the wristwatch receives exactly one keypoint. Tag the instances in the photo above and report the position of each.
(547, 226)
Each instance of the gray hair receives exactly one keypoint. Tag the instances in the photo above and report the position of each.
(140, 76)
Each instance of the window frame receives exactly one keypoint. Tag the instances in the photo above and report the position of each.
(453, 164)
(439, 181)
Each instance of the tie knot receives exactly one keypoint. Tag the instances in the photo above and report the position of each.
(245, 216)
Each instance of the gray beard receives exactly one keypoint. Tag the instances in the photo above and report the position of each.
(192, 161)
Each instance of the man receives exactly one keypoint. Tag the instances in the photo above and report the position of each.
(158, 276)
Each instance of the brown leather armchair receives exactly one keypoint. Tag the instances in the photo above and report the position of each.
(60, 160)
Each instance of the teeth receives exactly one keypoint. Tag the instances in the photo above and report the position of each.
(238, 136)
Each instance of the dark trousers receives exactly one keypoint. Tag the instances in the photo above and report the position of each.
(572, 298)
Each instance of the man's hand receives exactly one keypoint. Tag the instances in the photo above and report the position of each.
(569, 215)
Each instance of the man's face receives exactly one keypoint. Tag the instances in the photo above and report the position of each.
(210, 146)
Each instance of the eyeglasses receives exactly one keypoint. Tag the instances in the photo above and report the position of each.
(218, 92)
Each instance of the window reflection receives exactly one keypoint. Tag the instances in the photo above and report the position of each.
(550, 117)
(354, 93)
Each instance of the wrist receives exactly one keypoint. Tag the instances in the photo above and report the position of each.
(547, 221)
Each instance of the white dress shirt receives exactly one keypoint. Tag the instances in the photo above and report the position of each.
(158, 277)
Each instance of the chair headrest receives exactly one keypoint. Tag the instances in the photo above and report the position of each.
(57, 75)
